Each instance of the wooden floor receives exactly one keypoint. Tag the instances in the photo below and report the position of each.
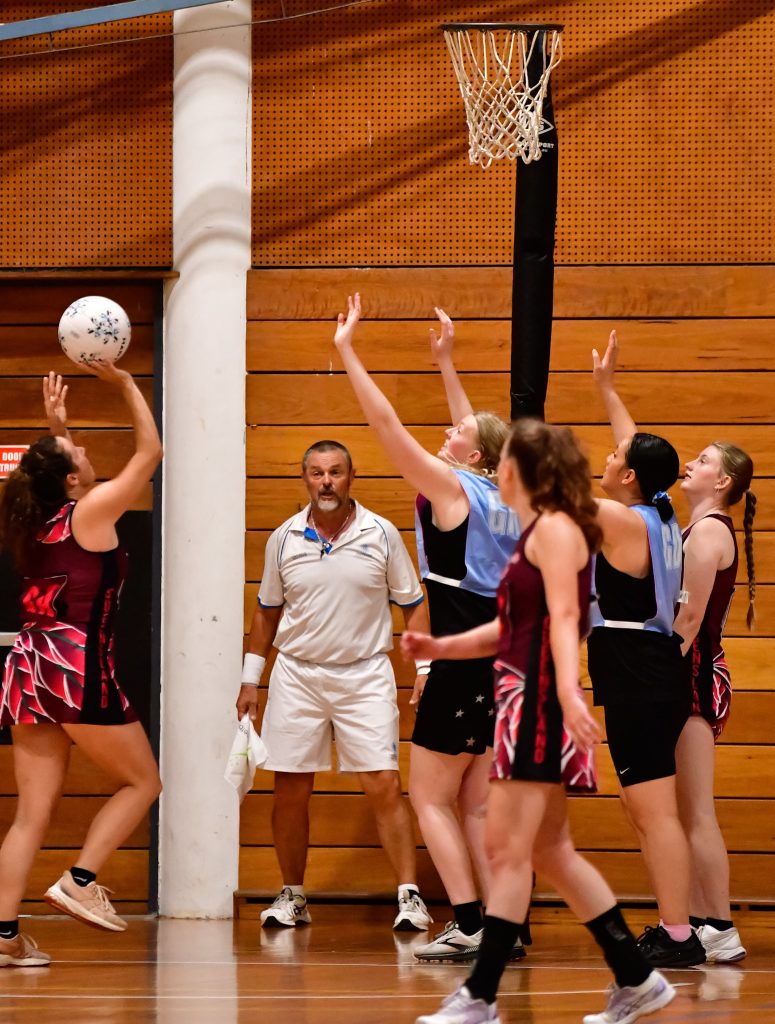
(347, 966)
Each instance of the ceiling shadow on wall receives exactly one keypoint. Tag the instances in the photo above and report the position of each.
(591, 72)
(30, 126)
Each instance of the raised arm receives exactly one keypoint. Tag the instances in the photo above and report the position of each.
(54, 399)
(604, 372)
(102, 506)
(442, 347)
(428, 474)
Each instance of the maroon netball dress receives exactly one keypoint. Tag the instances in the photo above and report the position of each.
(531, 743)
(61, 667)
(709, 674)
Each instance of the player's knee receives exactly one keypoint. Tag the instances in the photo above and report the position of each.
(383, 787)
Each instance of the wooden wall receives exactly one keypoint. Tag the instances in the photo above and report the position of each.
(29, 314)
(697, 364)
(86, 154)
(666, 135)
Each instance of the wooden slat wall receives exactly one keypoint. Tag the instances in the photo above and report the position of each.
(29, 347)
(697, 364)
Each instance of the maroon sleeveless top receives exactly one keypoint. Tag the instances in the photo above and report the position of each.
(523, 612)
(720, 598)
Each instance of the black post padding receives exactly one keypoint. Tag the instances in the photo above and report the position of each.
(533, 289)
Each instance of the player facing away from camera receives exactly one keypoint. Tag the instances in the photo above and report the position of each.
(544, 729)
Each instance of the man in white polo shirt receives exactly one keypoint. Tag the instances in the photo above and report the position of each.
(330, 575)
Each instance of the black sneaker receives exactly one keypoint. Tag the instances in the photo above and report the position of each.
(661, 951)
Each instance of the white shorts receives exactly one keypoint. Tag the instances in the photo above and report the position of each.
(308, 704)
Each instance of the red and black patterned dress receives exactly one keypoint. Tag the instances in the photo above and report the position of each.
(531, 743)
(709, 673)
(61, 666)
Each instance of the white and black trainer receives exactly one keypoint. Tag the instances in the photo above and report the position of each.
(286, 912)
(451, 946)
(412, 914)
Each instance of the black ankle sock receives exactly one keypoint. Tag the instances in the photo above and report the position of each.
(82, 877)
(696, 922)
(718, 924)
(494, 952)
(468, 916)
(619, 948)
(9, 929)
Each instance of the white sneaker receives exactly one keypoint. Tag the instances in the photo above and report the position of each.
(412, 914)
(451, 946)
(627, 1004)
(286, 912)
(721, 947)
(462, 1008)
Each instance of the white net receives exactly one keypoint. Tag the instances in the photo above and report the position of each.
(503, 72)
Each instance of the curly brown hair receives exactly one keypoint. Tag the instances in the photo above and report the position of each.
(555, 473)
(33, 493)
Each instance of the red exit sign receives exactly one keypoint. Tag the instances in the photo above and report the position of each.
(10, 457)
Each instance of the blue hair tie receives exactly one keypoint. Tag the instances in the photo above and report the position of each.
(659, 495)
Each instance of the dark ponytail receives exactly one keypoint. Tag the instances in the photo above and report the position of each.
(33, 493)
(655, 464)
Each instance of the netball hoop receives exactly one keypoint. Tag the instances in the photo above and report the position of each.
(503, 72)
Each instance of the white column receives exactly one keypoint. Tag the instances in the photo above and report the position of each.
(204, 464)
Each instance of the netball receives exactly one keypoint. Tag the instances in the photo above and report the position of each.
(94, 327)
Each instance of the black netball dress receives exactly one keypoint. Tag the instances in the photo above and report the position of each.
(461, 569)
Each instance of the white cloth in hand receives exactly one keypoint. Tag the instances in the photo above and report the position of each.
(247, 754)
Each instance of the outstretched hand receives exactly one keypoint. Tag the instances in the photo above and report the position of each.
(109, 372)
(604, 370)
(444, 344)
(54, 399)
(419, 645)
(345, 326)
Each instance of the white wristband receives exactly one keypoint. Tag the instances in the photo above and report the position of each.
(252, 667)
(422, 666)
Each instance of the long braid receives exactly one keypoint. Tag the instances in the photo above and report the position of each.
(748, 516)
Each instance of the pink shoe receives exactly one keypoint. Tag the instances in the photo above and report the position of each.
(88, 903)
(22, 952)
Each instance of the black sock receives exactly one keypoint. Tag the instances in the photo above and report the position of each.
(82, 877)
(619, 948)
(718, 924)
(468, 916)
(696, 922)
(494, 953)
(9, 929)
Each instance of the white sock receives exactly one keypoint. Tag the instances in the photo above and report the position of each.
(296, 890)
(408, 888)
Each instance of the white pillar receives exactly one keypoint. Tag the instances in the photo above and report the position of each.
(204, 466)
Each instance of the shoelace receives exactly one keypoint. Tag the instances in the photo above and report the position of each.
(100, 893)
(649, 934)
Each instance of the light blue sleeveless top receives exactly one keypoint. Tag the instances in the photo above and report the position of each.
(666, 547)
(491, 537)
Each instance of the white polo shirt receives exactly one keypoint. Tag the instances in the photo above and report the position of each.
(336, 606)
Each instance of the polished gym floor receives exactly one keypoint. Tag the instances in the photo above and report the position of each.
(346, 967)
